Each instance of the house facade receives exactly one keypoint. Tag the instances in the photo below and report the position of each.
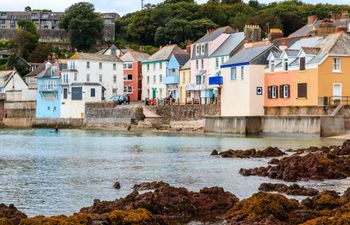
(201, 51)
(132, 71)
(48, 99)
(311, 76)
(243, 81)
(184, 79)
(17, 90)
(172, 79)
(154, 71)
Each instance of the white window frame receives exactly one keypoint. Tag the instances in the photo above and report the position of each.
(285, 65)
(274, 89)
(242, 72)
(217, 63)
(272, 66)
(202, 49)
(233, 73)
(285, 91)
(336, 65)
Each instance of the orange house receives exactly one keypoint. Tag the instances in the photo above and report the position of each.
(314, 75)
(132, 70)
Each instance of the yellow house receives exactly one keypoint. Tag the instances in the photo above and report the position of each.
(184, 79)
(315, 76)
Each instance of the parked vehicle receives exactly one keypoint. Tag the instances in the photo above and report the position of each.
(118, 99)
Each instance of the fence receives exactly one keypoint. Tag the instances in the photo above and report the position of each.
(188, 101)
(334, 100)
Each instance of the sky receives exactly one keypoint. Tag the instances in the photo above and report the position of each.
(120, 6)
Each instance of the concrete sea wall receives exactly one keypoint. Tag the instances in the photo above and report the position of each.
(324, 126)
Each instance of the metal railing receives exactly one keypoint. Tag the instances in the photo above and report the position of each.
(192, 101)
(333, 100)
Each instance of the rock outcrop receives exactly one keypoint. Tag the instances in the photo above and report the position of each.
(252, 153)
(10, 215)
(294, 189)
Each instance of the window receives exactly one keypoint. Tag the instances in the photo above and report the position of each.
(302, 90)
(77, 93)
(183, 77)
(154, 66)
(302, 63)
(114, 66)
(198, 79)
(100, 78)
(160, 65)
(242, 72)
(147, 79)
(285, 64)
(160, 92)
(160, 79)
(233, 73)
(65, 93)
(113, 52)
(65, 78)
(128, 77)
(222, 60)
(285, 91)
(129, 66)
(114, 78)
(88, 77)
(87, 65)
(100, 65)
(272, 92)
(217, 63)
(202, 63)
(114, 90)
(272, 66)
(75, 76)
(93, 92)
(128, 89)
(72, 65)
(154, 79)
(198, 49)
(336, 65)
(202, 49)
(197, 64)
(147, 67)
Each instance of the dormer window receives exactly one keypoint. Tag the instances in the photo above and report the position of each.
(302, 63)
(203, 49)
(198, 49)
(272, 66)
(285, 64)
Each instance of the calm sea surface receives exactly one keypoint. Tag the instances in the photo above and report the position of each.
(46, 173)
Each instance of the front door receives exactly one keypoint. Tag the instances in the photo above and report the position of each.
(337, 92)
(154, 92)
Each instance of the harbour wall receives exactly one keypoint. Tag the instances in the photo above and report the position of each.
(323, 126)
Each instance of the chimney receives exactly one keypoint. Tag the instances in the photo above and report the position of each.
(336, 16)
(345, 15)
(188, 46)
(209, 31)
(342, 29)
(252, 33)
(326, 27)
(311, 20)
(283, 46)
(274, 34)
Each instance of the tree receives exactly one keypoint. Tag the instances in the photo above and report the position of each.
(83, 25)
(40, 53)
(26, 38)
(27, 9)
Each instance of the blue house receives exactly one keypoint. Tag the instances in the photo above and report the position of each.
(176, 62)
(48, 100)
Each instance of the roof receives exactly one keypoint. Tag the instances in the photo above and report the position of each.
(289, 41)
(305, 30)
(246, 55)
(187, 65)
(95, 57)
(164, 53)
(182, 58)
(210, 36)
(231, 43)
(292, 52)
(47, 72)
(5, 74)
(39, 69)
(6, 52)
(134, 56)
(305, 42)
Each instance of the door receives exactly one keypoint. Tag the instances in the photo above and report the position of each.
(337, 92)
(154, 92)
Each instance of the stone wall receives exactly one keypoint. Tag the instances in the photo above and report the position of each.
(299, 110)
(20, 109)
(60, 123)
(2, 110)
(185, 112)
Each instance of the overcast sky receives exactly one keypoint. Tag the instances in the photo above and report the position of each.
(120, 6)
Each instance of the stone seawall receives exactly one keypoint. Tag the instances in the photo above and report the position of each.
(305, 111)
(2, 110)
(20, 109)
(324, 126)
(185, 112)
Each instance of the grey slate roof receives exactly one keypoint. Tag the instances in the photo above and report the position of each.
(35, 72)
(215, 34)
(134, 56)
(247, 54)
(182, 59)
(95, 57)
(305, 42)
(292, 53)
(164, 53)
(187, 65)
(231, 43)
(305, 30)
(47, 72)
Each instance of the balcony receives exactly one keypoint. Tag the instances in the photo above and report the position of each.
(194, 87)
(216, 80)
(171, 80)
(49, 88)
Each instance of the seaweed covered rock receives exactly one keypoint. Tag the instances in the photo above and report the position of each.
(10, 215)
(314, 166)
(252, 153)
(171, 203)
(293, 189)
(138, 216)
(326, 200)
(265, 208)
(150, 185)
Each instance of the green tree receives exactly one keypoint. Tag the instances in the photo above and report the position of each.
(40, 53)
(83, 25)
(27, 9)
(26, 38)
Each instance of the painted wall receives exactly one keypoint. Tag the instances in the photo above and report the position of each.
(17, 90)
(184, 79)
(310, 76)
(157, 69)
(135, 83)
(172, 87)
(48, 102)
(239, 97)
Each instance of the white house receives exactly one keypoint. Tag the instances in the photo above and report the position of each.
(89, 78)
(242, 92)
(17, 90)
(154, 71)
